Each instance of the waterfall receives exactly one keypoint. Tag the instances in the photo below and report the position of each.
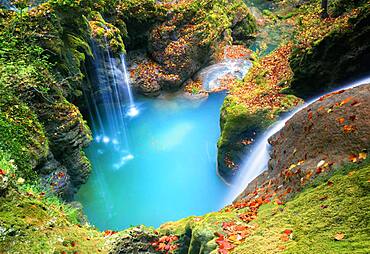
(132, 110)
(7, 5)
(110, 101)
(257, 161)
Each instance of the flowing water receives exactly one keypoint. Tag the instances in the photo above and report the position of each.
(256, 162)
(212, 75)
(169, 171)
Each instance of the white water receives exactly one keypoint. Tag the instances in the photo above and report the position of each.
(132, 111)
(256, 161)
(8, 6)
(212, 75)
(109, 100)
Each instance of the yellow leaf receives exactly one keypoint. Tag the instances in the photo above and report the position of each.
(339, 236)
(362, 156)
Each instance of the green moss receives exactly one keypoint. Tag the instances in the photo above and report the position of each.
(316, 215)
(236, 119)
(33, 223)
(22, 135)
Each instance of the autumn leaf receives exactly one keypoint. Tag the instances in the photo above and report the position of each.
(349, 128)
(355, 103)
(341, 120)
(2, 172)
(109, 233)
(288, 231)
(351, 173)
(352, 158)
(309, 115)
(339, 236)
(362, 156)
(20, 181)
(345, 101)
(284, 237)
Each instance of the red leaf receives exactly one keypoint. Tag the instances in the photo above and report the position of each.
(288, 231)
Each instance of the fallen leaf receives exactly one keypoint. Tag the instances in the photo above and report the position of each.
(281, 247)
(341, 120)
(288, 231)
(345, 101)
(349, 128)
(352, 158)
(339, 236)
(20, 180)
(284, 237)
(351, 173)
(309, 115)
(362, 156)
(320, 164)
(330, 183)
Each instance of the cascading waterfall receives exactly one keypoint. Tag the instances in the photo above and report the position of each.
(110, 101)
(257, 161)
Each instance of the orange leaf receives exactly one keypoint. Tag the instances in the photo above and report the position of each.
(284, 237)
(309, 115)
(349, 128)
(341, 120)
(352, 157)
(339, 236)
(345, 101)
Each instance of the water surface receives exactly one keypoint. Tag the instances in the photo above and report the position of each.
(164, 170)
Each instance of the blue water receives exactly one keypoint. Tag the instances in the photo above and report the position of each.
(165, 170)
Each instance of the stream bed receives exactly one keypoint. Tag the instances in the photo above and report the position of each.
(164, 170)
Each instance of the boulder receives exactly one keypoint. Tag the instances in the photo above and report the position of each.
(327, 134)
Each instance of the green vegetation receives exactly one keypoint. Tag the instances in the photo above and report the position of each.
(318, 216)
(32, 221)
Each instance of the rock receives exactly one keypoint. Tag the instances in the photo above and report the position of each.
(184, 42)
(341, 54)
(329, 133)
(68, 134)
(133, 241)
